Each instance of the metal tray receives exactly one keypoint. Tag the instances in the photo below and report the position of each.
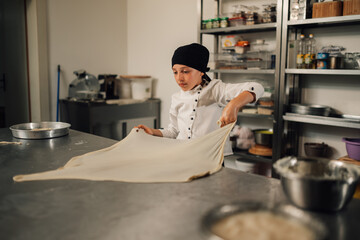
(41, 130)
(310, 109)
(287, 211)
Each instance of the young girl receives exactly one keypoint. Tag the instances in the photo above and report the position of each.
(201, 102)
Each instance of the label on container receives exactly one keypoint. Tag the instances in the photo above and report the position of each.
(300, 59)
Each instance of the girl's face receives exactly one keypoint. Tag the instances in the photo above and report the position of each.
(186, 77)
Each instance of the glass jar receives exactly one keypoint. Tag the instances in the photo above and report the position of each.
(208, 24)
(216, 22)
(224, 22)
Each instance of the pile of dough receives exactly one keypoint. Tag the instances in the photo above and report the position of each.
(144, 158)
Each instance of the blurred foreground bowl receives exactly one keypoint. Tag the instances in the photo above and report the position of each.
(317, 184)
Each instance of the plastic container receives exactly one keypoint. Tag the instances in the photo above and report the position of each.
(237, 21)
(353, 147)
(141, 86)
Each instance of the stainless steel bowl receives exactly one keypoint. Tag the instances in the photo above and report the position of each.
(263, 136)
(310, 109)
(40, 130)
(317, 184)
(288, 212)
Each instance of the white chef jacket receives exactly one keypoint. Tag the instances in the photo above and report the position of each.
(195, 113)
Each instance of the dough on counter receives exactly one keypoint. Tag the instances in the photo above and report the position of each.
(144, 158)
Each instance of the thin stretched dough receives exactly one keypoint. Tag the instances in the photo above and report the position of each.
(144, 158)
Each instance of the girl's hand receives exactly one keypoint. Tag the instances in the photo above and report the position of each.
(150, 131)
(231, 110)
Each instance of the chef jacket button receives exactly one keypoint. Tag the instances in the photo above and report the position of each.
(198, 92)
(252, 88)
(189, 128)
(192, 118)
(194, 110)
(188, 137)
(200, 89)
(196, 100)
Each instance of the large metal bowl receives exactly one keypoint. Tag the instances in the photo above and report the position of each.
(40, 130)
(317, 184)
(287, 212)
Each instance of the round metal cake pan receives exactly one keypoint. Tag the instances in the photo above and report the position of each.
(41, 130)
(286, 211)
(310, 109)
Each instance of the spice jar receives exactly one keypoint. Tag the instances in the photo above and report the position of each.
(208, 24)
(215, 23)
(224, 22)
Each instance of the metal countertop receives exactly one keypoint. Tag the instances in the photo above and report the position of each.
(79, 209)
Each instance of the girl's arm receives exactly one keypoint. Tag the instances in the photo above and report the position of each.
(151, 131)
(231, 110)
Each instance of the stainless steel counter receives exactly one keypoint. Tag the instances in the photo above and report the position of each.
(77, 209)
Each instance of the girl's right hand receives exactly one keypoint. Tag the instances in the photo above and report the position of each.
(150, 131)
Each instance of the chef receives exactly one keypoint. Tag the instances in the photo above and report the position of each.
(201, 102)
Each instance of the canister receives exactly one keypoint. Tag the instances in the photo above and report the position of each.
(322, 60)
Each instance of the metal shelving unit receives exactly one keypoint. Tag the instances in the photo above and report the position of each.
(290, 81)
(264, 27)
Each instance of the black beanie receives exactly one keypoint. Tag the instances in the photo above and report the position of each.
(193, 55)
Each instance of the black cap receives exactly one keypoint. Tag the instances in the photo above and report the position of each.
(193, 55)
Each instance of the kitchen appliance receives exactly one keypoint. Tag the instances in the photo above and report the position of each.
(316, 183)
(84, 87)
(40, 130)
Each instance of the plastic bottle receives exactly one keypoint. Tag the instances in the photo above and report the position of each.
(300, 51)
(309, 57)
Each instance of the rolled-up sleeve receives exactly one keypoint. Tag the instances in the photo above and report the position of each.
(225, 92)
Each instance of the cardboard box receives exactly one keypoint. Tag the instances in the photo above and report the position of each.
(327, 9)
(351, 7)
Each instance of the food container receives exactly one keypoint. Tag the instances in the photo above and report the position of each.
(322, 60)
(353, 147)
(237, 21)
(224, 22)
(316, 149)
(336, 62)
(263, 137)
(351, 7)
(327, 9)
(228, 222)
(40, 130)
(141, 86)
(310, 109)
(317, 184)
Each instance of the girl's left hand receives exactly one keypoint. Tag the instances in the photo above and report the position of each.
(229, 114)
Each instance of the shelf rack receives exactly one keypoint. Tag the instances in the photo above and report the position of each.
(289, 94)
(243, 29)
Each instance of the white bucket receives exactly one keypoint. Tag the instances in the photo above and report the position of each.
(141, 86)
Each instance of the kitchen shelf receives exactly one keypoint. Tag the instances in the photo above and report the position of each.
(328, 121)
(322, 71)
(249, 156)
(255, 115)
(323, 22)
(244, 71)
(240, 29)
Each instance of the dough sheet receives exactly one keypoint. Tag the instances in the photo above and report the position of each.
(143, 158)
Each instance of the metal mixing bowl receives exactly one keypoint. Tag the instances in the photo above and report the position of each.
(289, 212)
(317, 184)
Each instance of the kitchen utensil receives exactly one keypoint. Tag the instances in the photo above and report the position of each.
(40, 130)
(310, 109)
(85, 86)
(286, 212)
(263, 137)
(353, 147)
(315, 149)
(317, 184)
